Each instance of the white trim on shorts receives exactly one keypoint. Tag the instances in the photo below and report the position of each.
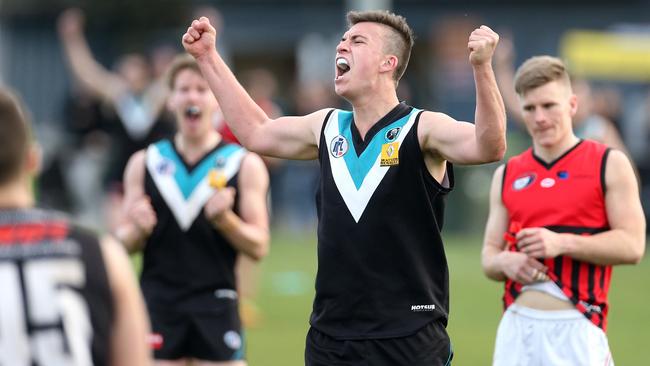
(531, 337)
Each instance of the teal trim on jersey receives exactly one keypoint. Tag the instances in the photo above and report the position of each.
(241, 352)
(451, 355)
(359, 166)
(186, 181)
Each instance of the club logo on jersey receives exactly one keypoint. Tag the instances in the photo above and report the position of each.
(166, 167)
(563, 174)
(392, 134)
(339, 146)
(220, 162)
(232, 339)
(389, 154)
(523, 182)
(547, 183)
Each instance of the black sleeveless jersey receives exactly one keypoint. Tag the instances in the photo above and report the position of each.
(56, 306)
(186, 257)
(382, 270)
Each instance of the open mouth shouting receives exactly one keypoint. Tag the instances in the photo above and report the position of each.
(342, 67)
(193, 113)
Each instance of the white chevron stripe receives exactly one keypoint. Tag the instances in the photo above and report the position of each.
(357, 200)
(186, 211)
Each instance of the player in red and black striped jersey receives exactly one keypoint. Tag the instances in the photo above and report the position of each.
(562, 213)
(68, 298)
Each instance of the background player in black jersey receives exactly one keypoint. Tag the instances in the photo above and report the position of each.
(356, 320)
(68, 297)
(191, 240)
(572, 210)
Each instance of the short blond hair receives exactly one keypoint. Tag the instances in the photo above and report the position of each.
(399, 42)
(538, 71)
(180, 63)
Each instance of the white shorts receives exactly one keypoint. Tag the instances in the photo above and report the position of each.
(530, 337)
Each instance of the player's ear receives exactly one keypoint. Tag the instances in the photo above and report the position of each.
(389, 64)
(573, 104)
(171, 102)
(34, 159)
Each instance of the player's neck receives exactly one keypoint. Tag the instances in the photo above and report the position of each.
(369, 109)
(193, 149)
(16, 195)
(551, 153)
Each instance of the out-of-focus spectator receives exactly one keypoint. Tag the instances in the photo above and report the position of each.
(452, 80)
(586, 123)
(135, 99)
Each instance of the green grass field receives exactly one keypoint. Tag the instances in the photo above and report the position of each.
(286, 294)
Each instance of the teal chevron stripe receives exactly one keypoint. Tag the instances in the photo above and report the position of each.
(360, 165)
(186, 181)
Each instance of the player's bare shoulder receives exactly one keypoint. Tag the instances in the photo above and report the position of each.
(253, 171)
(432, 127)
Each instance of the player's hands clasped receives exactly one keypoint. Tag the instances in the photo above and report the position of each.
(222, 201)
(521, 268)
(539, 242)
(142, 215)
(481, 45)
(200, 38)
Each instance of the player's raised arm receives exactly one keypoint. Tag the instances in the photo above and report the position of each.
(92, 75)
(485, 140)
(285, 137)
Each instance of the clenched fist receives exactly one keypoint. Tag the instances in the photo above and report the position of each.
(481, 45)
(141, 214)
(222, 201)
(200, 38)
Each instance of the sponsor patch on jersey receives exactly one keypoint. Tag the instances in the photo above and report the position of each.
(523, 182)
(547, 183)
(389, 154)
(232, 339)
(392, 134)
(563, 174)
(166, 167)
(339, 146)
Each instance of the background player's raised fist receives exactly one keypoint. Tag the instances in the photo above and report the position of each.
(481, 45)
(71, 22)
(200, 38)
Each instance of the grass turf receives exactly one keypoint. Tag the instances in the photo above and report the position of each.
(286, 294)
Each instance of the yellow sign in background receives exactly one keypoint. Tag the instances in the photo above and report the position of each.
(607, 55)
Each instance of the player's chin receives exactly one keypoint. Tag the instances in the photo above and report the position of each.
(342, 91)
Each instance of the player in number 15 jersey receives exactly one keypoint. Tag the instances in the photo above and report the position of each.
(68, 297)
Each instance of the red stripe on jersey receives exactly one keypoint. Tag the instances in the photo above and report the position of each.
(583, 281)
(567, 268)
(30, 233)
